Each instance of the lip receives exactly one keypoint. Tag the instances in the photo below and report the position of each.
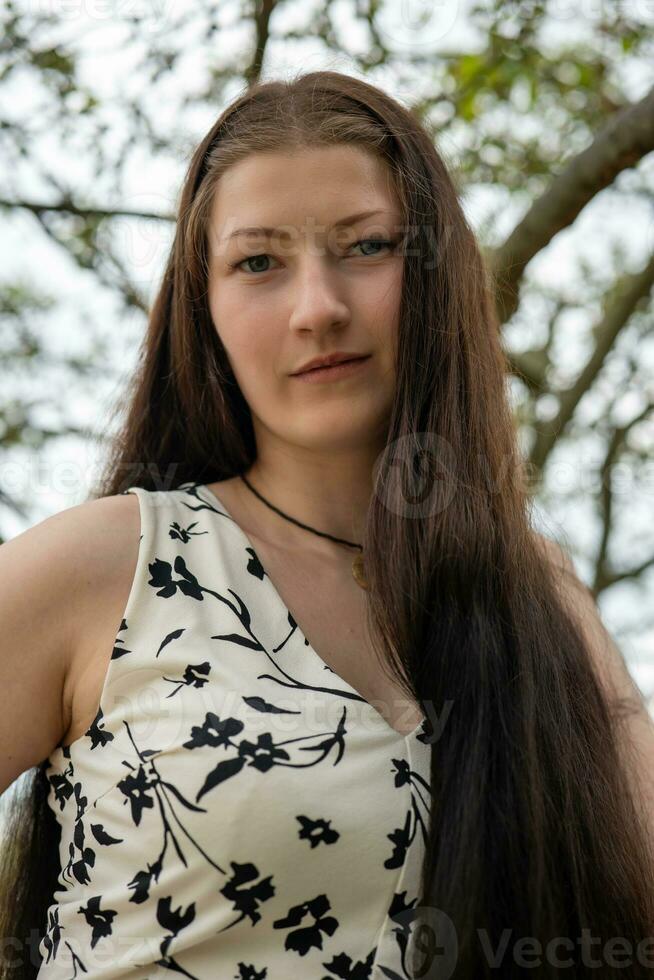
(336, 357)
(333, 372)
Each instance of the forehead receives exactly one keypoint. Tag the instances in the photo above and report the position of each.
(308, 187)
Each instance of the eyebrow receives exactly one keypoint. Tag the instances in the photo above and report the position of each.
(344, 222)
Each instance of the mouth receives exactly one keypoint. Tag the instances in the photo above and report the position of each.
(334, 371)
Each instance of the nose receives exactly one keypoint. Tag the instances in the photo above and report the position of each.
(318, 302)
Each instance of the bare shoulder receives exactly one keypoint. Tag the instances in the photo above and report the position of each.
(106, 534)
(580, 601)
(49, 574)
(622, 691)
(95, 544)
(561, 562)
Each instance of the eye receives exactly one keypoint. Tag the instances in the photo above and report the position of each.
(364, 241)
(250, 258)
(374, 241)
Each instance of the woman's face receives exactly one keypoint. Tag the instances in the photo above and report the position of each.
(309, 288)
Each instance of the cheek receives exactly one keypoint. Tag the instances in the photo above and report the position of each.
(247, 348)
(248, 356)
(382, 295)
(383, 304)
(252, 353)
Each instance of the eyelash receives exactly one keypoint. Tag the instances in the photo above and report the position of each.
(362, 241)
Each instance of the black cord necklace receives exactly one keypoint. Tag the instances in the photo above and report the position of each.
(357, 565)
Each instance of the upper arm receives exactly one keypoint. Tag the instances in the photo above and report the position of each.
(44, 581)
(623, 693)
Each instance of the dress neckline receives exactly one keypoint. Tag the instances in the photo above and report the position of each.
(312, 652)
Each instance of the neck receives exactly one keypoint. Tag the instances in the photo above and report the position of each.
(329, 497)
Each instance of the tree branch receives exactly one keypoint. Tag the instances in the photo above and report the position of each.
(626, 138)
(67, 206)
(624, 299)
(605, 576)
(262, 17)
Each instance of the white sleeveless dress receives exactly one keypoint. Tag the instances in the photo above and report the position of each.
(236, 811)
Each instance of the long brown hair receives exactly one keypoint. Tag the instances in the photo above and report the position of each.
(534, 828)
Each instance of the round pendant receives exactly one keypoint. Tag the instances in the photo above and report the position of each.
(358, 571)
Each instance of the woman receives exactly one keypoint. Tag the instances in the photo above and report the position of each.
(331, 707)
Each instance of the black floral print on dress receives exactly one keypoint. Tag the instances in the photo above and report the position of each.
(236, 809)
